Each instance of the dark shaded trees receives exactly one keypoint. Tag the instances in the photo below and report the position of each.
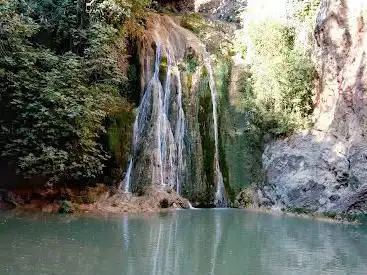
(62, 73)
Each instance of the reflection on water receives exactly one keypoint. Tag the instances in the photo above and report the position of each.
(218, 242)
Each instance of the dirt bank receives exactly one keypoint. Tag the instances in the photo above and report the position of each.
(92, 200)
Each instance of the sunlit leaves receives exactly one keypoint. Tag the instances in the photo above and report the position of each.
(279, 84)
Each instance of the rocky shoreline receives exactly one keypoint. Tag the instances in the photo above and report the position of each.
(102, 201)
(92, 200)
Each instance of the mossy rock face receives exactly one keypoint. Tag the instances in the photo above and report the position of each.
(118, 141)
(208, 144)
(199, 185)
(163, 67)
(194, 22)
(192, 62)
(194, 161)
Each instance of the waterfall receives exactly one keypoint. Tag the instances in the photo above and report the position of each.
(180, 133)
(127, 180)
(220, 200)
(166, 140)
(170, 138)
(162, 120)
(140, 122)
(159, 154)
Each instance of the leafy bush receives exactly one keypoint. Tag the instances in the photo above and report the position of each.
(217, 35)
(66, 208)
(61, 75)
(277, 89)
(306, 9)
(299, 210)
(193, 22)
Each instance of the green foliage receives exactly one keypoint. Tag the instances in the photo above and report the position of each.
(119, 132)
(343, 217)
(113, 12)
(193, 22)
(277, 89)
(223, 78)
(191, 62)
(66, 208)
(140, 4)
(306, 9)
(245, 198)
(273, 98)
(346, 217)
(116, 12)
(205, 119)
(299, 210)
(216, 35)
(60, 76)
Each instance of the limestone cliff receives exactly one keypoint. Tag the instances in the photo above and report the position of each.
(325, 168)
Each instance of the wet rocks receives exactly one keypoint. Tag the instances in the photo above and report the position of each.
(164, 203)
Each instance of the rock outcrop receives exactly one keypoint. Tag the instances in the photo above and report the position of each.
(227, 10)
(182, 5)
(325, 169)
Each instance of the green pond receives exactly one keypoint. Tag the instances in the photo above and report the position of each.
(220, 242)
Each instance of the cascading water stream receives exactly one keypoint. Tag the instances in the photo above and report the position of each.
(126, 181)
(160, 129)
(220, 199)
(180, 133)
(140, 121)
(170, 141)
(166, 143)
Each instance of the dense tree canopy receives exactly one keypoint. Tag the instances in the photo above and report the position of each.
(62, 73)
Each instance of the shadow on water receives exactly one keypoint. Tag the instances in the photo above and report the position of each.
(224, 241)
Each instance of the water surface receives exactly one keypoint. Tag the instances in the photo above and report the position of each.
(188, 242)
